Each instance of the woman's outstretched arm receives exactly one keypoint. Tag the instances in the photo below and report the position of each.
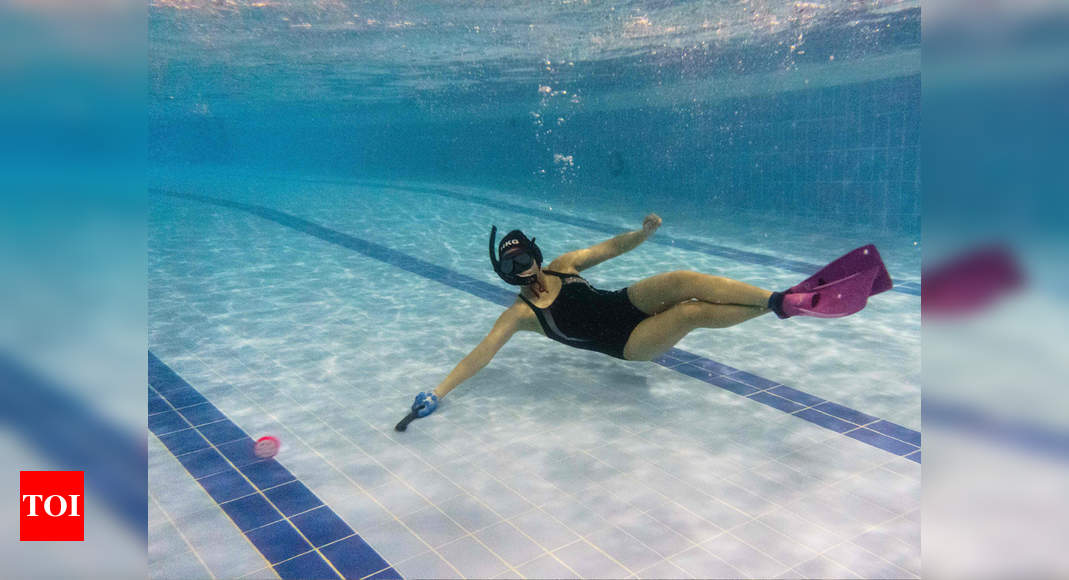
(507, 324)
(596, 254)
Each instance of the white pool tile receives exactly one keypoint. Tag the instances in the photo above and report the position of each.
(164, 541)
(155, 514)
(433, 527)
(741, 499)
(178, 566)
(544, 529)
(589, 562)
(575, 516)
(828, 514)
(433, 485)
(469, 513)
(427, 565)
(602, 502)
(907, 529)
(745, 558)
(624, 548)
(398, 498)
(472, 559)
(701, 564)
(354, 506)
(809, 533)
(494, 494)
(888, 489)
(659, 537)
(903, 555)
(510, 544)
(784, 549)
(685, 523)
(220, 544)
(864, 563)
(546, 567)
(904, 467)
(663, 570)
(530, 487)
(821, 567)
(393, 541)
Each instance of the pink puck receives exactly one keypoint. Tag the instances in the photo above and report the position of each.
(266, 447)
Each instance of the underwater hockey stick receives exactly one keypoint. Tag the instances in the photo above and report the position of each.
(411, 416)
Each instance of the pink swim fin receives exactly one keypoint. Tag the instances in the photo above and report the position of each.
(858, 260)
(969, 283)
(838, 298)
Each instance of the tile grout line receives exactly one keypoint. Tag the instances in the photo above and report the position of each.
(174, 525)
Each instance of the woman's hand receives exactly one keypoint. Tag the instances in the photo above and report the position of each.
(650, 224)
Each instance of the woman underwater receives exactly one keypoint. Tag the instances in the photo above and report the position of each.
(644, 320)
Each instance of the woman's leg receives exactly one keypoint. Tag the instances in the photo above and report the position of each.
(658, 293)
(655, 335)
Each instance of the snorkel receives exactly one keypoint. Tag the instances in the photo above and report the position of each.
(505, 261)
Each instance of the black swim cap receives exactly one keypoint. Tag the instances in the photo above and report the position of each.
(515, 254)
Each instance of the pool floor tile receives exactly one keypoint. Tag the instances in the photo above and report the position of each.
(278, 541)
(310, 566)
(353, 557)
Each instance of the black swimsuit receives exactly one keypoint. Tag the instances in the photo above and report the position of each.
(585, 317)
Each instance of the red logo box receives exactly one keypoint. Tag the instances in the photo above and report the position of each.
(51, 506)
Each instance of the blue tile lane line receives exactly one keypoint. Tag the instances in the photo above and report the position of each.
(806, 268)
(62, 427)
(299, 535)
(984, 424)
(884, 435)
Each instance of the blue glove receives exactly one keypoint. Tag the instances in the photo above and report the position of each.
(425, 404)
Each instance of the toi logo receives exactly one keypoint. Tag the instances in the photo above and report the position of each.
(51, 506)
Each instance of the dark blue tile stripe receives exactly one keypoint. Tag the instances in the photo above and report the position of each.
(753, 380)
(387, 574)
(846, 413)
(981, 423)
(796, 395)
(310, 566)
(682, 243)
(730, 384)
(825, 420)
(267, 524)
(293, 498)
(690, 364)
(775, 402)
(897, 431)
(882, 441)
(62, 427)
(353, 558)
